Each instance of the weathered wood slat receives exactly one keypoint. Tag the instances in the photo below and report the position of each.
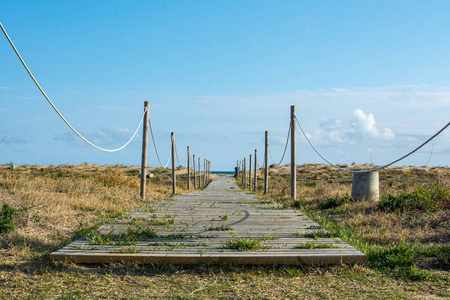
(193, 228)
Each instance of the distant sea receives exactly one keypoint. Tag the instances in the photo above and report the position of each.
(223, 172)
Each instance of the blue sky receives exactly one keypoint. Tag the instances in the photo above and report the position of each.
(370, 79)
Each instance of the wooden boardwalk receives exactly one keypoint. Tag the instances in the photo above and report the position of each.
(211, 226)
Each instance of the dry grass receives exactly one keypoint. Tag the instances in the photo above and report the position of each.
(61, 202)
(411, 241)
(319, 184)
(58, 202)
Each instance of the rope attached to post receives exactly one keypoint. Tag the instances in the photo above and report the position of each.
(374, 169)
(154, 144)
(54, 107)
(4, 138)
(285, 148)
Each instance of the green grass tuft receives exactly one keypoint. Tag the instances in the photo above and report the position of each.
(244, 244)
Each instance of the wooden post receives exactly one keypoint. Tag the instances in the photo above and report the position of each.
(204, 172)
(144, 150)
(250, 173)
(199, 174)
(266, 164)
(195, 173)
(174, 177)
(237, 169)
(242, 172)
(245, 172)
(188, 168)
(256, 167)
(293, 155)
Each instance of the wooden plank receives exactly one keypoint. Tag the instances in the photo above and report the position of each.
(184, 236)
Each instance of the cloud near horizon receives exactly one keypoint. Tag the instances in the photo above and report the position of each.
(360, 126)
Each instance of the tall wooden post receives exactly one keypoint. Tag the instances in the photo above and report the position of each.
(204, 172)
(195, 173)
(174, 177)
(266, 163)
(144, 150)
(237, 169)
(188, 168)
(199, 174)
(250, 173)
(293, 155)
(245, 172)
(256, 167)
(242, 172)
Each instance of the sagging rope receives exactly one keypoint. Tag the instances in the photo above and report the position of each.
(285, 148)
(57, 111)
(154, 144)
(176, 153)
(374, 169)
(4, 138)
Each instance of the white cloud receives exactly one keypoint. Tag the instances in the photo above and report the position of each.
(366, 125)
(359, 127)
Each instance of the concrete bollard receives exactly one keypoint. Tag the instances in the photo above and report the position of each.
(365, 186)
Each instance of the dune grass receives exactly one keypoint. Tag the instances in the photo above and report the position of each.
(54, 205)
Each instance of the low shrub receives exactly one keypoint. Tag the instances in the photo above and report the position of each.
(8, 220)
(333, 202)
(428, 198)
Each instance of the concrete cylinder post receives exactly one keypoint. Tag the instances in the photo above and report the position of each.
(144, 150)
(188, 168)
(266, 163)
(195, 172)
(256, 167)
(293, 155)
(365, 186)
(174, 176)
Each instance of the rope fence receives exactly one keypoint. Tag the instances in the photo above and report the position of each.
(4, 138)
(54, 107)
(285, 148)
(367, 179)
(154, 144)
(374, 169)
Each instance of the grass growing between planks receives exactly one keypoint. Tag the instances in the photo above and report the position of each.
(55, 205)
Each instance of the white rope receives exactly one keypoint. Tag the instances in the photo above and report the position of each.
(4, 138)
(176, 153)
(371, 170)
(57, 111)
(285, 148)
(154, 144)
